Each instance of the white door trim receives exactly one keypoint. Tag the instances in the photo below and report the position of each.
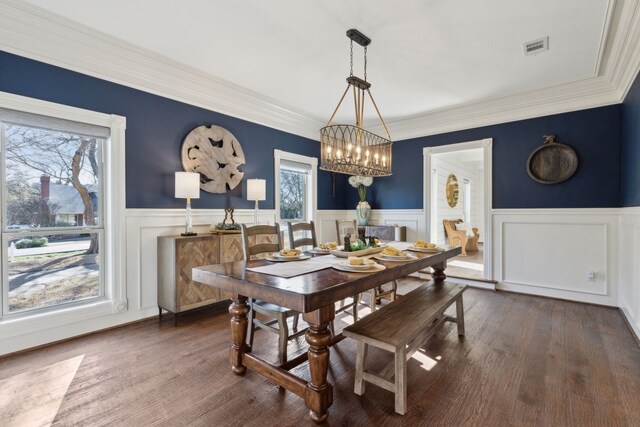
(487, 147)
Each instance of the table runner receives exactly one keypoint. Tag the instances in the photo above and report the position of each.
(296, 268)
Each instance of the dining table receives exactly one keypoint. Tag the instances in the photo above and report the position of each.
(312, 291)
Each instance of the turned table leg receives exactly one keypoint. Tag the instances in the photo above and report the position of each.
(238, 309)
(438, 272)
(319, 393)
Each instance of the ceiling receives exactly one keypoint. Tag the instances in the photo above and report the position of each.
(471, 158)
(426, 57)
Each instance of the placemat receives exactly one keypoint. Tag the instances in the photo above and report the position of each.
(296, 268)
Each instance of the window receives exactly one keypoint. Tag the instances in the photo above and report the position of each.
(55, 198)
(295, 187)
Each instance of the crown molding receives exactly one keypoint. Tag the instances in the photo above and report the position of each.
(579, 95)
(30, 31)
(33, 32)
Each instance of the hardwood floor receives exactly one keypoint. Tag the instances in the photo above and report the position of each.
(469, 266)
(524, 361)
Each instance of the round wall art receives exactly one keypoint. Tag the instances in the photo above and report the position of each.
(216, 155)
(552, 162)
(451, 190)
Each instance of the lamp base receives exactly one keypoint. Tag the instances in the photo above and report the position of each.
(189, 234)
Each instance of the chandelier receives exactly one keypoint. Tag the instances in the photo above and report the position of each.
(350, 149)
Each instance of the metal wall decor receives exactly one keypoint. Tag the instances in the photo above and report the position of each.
(350, 149)
(451, 190)
(552, 163)
(216, 155)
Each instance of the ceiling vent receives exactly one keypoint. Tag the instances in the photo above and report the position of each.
(536, 46)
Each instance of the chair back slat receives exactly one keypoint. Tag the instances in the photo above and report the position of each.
(257, 247)
(305, 240)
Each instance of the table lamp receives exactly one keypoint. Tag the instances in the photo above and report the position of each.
(188, 187)
(256, 190)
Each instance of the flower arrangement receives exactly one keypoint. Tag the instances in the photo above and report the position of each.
(361, 183)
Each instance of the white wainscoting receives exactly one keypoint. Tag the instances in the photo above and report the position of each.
(413, 219)
(549, 252)
(629, 265)
(143, 228)
(544, 252)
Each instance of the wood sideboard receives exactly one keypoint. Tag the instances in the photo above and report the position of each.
(177, 255)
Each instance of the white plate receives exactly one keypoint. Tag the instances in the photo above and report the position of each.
(280, 258)
(322, 251)
(343, 266)
(392, 257)
(384, 257)
(355, 267)
(427, 250)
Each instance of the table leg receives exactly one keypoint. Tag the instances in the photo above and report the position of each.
(238, 309)
(319, 393)
(438, 272)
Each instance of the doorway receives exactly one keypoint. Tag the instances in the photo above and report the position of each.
(457, 187)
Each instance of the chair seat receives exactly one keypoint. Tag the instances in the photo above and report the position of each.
(267, 306)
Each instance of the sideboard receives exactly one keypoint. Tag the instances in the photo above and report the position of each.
(396, 233)
(177, 255)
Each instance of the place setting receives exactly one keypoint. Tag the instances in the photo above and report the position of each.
(359, 265)
(287, 255)
(393, 254)
(325, 248)
(425, 247)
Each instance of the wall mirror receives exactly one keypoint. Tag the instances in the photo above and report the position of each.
(451, 190)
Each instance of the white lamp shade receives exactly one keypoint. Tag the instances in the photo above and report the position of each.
(187, 185)
(256, 189)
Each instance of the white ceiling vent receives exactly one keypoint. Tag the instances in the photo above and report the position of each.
(536, 46)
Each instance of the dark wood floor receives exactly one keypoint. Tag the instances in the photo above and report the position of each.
(469, 266)
(525, 361)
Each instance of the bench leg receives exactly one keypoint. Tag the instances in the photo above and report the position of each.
(401, 382)
(460, 316)
(360, 359)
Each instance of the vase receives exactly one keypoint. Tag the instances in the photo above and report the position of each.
(363, 213)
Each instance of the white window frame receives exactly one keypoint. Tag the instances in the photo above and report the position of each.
(279, 155)
(112, 243)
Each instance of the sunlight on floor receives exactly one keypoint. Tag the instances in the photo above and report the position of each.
(426, 362)
(33, 398)
(464, 264)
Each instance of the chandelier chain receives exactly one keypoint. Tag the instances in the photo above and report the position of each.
(351, 72)
(365, 63)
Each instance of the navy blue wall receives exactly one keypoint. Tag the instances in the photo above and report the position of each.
(630, 159)
(594, 134)
(156, 127)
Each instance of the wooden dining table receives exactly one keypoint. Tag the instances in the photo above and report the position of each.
(313, 294)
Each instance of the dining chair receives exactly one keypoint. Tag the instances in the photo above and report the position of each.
(344, 227)
(349, 226)
(261, 239)
(307, 239)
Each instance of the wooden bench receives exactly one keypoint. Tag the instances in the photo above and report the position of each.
(402, 327)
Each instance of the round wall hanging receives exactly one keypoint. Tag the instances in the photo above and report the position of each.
(552, 162)
(215, 154)
(451, 190)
